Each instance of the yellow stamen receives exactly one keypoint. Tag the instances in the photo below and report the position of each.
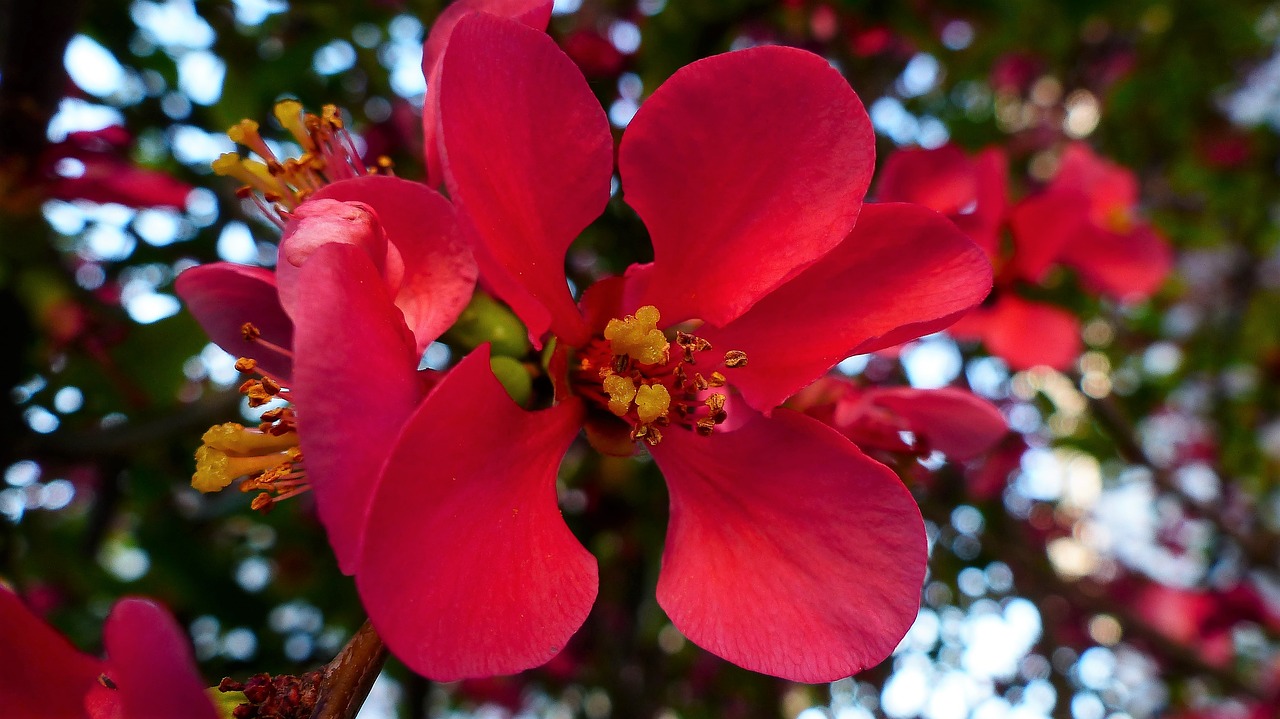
(250, 172)
(638, 337)
(289, 113)
(652, 402)
(215, 469)
(234, 438)
(246, 133)
(621, 391)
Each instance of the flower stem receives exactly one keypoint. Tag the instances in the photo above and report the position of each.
(349, 677)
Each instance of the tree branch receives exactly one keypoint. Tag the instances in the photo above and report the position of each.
(349, 677)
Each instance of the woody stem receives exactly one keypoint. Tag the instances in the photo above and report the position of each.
(349, 677)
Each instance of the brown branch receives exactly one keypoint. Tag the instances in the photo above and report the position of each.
(349, 677)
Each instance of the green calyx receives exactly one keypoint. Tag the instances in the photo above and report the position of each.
(488, 320)
(514, 377)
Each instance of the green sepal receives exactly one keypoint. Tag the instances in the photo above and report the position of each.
(488, 320)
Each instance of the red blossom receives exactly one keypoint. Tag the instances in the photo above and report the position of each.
(1085, 219)
(370, 273)
(149, 671)
(93, 165)
(1115, 252)
(534, 13)
(1023, 333)
(1015, 72)
(953, 421)
(788, 551)
(593, 52)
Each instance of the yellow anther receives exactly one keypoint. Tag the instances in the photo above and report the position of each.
(250, 172)
(638, 337)
(215, 469)
(735, 358)
(234, 438)
(621, 391)
(262, 502)
(715, 402)
(246, 133)
(653, 436)
(332, 116)
(652, 402)
(289, 114)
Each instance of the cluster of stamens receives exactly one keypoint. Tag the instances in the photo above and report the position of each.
(631, 371)
(266, 457)
(278, 186)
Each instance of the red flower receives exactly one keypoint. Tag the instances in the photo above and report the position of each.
(149, 671)
(788, 550)
(534, 13)
(94, 165)
(1115, 252)
(370, 273)
(973, 194)
(953, 421)
(1085, 219)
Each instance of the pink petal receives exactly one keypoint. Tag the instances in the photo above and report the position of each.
(789, 552)
(615, 297)
(355, 382)
(955, 422)
(983, 223)
(942, 179)
(745, 167)
(1025, 334)
(971, 192)
(223, 296)
(1043, 226)
(903, 272)
(151, 664)
(1130, 266)
(439, 271)
(1110, 187)
(41, 674)
(986, 479)
(468, 569)
(114, 179)
(323, 221)
(534, 13)
(528, 158)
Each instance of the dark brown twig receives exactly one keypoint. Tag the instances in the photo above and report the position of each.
(349, 677)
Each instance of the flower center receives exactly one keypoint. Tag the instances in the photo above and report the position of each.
(267, 457)
(276, 186)
(631, 371)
